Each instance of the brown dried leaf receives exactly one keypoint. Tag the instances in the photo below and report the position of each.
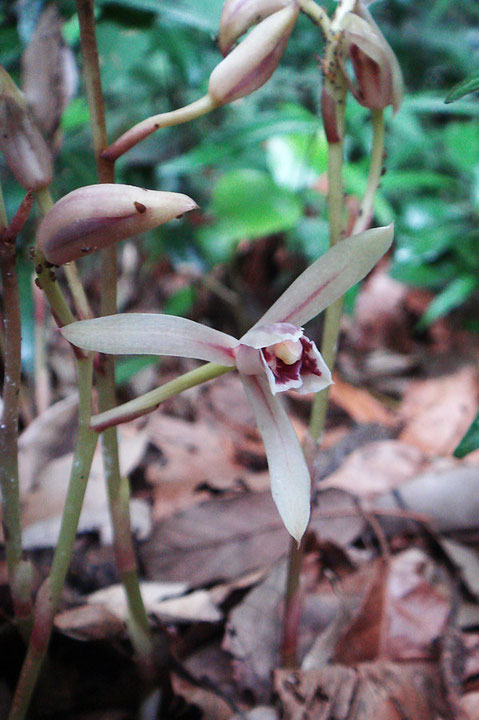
(253, 634)
(377, 468)
(90, 622)
(402, 615)
(231, 536)
(204, 452)
(360, 405)
(382, 691)
(439, 411)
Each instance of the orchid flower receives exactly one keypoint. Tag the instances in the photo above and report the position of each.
(273, 356)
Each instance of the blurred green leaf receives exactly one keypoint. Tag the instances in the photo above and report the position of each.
(463, 88)
(180, 302)
(246, 204)
(459, 290)
(470, 441)
(126, 368)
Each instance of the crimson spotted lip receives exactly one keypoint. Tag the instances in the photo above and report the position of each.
(273, 356)
(289, 359)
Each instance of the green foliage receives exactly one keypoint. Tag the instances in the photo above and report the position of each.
(256, 167)
(470, 441)
(463, 88)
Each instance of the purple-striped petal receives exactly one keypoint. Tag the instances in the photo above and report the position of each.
(328, 278)
(152, 334)
(290, 478)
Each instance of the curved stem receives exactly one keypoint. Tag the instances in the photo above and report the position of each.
(147, 127)
(375, 168)
(149, 401)
(118, 489)
(317, 15)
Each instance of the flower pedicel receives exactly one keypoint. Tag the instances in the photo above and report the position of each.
(273, 356)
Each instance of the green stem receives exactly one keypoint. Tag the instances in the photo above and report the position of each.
(118, 492)
(48, 597)
(149, 401)
(317, 14)
(375, 170)
(318, 413)
(334, 312)
(19, 572)
(147, 127)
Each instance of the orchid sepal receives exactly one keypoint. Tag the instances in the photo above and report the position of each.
(152, 334)
(289, 474)
(238, 16)
(328, 278)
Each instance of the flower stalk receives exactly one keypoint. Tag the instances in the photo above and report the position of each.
(119, 510)
(20, 573)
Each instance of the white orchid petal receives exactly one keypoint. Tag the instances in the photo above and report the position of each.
(261, 336)
(152, 334)
(328, 278)
(290, 478)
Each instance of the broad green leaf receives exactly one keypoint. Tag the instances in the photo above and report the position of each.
(451, 297)
(470, 441)
(126, 368)
(463, 88)
(246, 204)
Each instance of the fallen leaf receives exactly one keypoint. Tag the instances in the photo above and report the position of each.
(438, 411)
(229, 537)
(253, 634)
(466, 559)
(360, 405)
(403, 614)
(204, 452)
(90, 622)
(377, 468)
(43, 503)
(382, 691)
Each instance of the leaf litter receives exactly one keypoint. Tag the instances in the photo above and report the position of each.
(391, 557)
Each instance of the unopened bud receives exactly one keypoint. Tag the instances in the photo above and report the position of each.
(329, 112)
(239, 15)
(96, 216)
(23, 147)
(254, 60)
(376, 69)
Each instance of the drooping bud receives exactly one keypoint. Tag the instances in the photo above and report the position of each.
(330, 117)
(376, 69)
(96, 216)
(254, 60)
(239, 15)
(21, 142)
(49, 73)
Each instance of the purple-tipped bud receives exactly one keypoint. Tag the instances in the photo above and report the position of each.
(378, 75)
(330, 117)
(254, 60)
(96, 216)
(21, 142)
(239, 15)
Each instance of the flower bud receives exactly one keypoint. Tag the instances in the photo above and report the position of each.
(21, 142)
(254, 60)
(96, 216)
(239, 15)
(378, 75)
(330, 117)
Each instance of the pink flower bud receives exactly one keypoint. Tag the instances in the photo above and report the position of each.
(378, 75)
(239, 15)
(96, 216)
(329, 115)
(254, 60)
(21, 142)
